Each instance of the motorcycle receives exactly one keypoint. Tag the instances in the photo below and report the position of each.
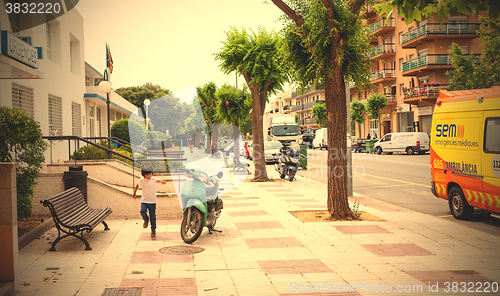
(201, 204)
(288, 162)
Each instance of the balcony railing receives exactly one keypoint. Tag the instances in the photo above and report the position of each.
(381, 74)
(380, 24)
(382, 48)
(305, 121)
(426, 60)
(431, 90)
(390, 97)
(446, 29)
(310, 89)
(305, 106)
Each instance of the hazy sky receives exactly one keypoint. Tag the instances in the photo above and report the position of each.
(168, 42)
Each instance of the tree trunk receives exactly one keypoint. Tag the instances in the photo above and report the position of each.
(258, 136)
(337, 203)
(236, 138)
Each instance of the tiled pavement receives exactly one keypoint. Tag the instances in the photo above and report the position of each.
(264, 250)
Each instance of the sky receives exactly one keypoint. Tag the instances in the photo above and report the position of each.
(168, 42)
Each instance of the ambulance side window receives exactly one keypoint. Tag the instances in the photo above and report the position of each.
(492, 135)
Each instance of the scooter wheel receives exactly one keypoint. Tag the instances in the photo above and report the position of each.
(191, 234)
(282, 176)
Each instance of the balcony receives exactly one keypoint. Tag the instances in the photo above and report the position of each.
(310, 89)
(383, 51)
(428, 62)
(304, 106)
(429, 32)
(306, 121)
(287, 109)
(391, 99)
(380, 27)
(383, 75)
(426, 91)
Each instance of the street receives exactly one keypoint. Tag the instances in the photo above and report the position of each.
(400, 179)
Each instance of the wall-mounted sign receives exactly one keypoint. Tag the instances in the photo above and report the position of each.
(421, 111)
(19, 50)
(404, 108)
(386, 116)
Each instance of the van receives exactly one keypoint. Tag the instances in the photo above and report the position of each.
(465, 150)
(320, 140)
(412, 142)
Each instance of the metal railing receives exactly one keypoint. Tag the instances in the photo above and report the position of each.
(380, 24)
(381, 74)
(390, 97)
(305, 106)
(446, 29)
(427, 60)
(423, 91)
(382, 48)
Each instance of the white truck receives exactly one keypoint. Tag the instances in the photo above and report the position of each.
(281, 127)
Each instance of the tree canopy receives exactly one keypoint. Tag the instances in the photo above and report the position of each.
(319, 112)
(374, 104)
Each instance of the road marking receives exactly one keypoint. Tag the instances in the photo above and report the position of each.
(384, 178)
(445, 216)
(388, 186)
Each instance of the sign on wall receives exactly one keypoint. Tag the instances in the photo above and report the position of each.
(19, 50)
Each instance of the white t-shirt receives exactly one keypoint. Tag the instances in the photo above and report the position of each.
(149, 188)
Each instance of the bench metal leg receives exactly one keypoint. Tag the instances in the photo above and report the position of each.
(105, 226)
(70, 233)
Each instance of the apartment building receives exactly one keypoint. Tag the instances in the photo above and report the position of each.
(409, 66)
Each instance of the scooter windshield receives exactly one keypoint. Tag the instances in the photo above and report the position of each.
(179, 134)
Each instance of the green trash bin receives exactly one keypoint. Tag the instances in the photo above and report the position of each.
(303, 157)
(369, 145)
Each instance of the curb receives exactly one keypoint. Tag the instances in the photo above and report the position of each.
(34, 233)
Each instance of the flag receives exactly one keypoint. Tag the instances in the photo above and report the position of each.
(109, 59)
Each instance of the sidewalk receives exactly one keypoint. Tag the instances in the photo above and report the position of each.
(264, 250)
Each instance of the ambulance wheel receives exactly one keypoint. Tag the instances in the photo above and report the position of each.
(409, 151)
(458, 204)
(378, 150)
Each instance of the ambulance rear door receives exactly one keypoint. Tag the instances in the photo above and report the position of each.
(491, 160)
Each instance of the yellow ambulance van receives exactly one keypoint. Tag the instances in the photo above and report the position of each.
(465, 150)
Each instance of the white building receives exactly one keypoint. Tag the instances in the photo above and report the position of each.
(44, 73)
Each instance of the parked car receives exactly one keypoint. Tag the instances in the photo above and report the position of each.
(320, 140)
(272, 150)
(413, 142)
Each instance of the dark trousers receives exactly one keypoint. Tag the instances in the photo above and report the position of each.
(152, 214)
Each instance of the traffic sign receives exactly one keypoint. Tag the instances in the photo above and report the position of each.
(309, 129)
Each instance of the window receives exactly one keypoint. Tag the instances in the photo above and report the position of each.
(97, 80)
(87, 80)
(401, 88)
(400, 34)
(55, 116)
(74, 54)
(76, 115)
(491, 135)
(374, 128)
(401, 61)
(22, 99)
(98, 113)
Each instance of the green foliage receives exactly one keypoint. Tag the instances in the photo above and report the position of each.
(357, 111)
(319, 112)
(297, 118)
(123, 128)
(21, 141)
(374, 105)
(137, 94)
(155, 140)
(472, 71)
(88, 153)
(255, 56)
(307, 50)
(168, 113)
(414, 9)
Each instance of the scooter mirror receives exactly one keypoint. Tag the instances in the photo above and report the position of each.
(219, 175)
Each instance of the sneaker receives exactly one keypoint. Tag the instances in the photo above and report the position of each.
(153, 233)
(145, 224)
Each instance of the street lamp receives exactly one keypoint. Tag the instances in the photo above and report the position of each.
(147, 102)
(105, 87)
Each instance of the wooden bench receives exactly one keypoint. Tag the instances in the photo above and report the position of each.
(72, 215)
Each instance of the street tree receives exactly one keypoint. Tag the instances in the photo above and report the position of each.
(374, 105)
(319, 112)
(196, 121)
(255, 57)
(168, 113)
(208, 103)
(358, 113)
(231, 108)
(325, 43)
(474, 71)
